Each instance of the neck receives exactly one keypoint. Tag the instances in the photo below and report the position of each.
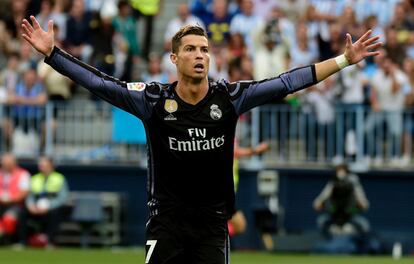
(191, 91)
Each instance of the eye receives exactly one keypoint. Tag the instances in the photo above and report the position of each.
(205, 50)
(189, 49)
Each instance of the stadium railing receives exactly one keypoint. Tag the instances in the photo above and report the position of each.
(352, 134)
(92, 131)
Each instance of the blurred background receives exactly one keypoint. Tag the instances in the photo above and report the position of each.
(294, 197)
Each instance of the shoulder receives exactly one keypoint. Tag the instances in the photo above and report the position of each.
(21, 171)
(37, 175)
(222, 86)
(353, 178)
(152, 90)
(58, 174)
(234, 89)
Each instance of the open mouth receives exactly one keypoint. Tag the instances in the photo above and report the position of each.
(199, 67)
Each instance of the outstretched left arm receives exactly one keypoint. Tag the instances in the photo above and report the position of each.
(246, 95)
(365, 46)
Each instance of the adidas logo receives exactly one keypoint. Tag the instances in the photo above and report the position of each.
(170, 117)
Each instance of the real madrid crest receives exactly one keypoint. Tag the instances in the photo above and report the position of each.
(215, 112)
(170, 106)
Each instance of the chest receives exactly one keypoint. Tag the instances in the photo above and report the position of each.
(211, 120)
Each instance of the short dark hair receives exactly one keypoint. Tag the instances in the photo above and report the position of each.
(184, 31)
(49, 159)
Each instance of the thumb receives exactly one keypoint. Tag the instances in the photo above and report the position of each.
(50, 26)
(348, 40)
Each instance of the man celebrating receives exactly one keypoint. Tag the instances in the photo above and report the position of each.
(190, 128)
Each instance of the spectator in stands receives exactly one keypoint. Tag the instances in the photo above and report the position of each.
(319, 30)
(395, 50)
(246, 23)
(372, 23)
(27, 112)
(147, 10)
(328, 10)
(381, 9)
(302, 52)
(389, 87)
(5, 41)
(78, 31)
(17, 10)
(305, 50)
(342, 200)
(408, 68)
(236, 47)
(48, 12)
(402, 22)
(350, 91)
(126, 26)
(263, 8)
(271, 50)
(58, 87)
(48, 192)
(183, 18)
(27, 58)
(293, 8)
(9, 78)
(321, 99)
(102, 40)
(217, 23)
(349, 22)
(14, 187)
(221, 65)
(154, 71)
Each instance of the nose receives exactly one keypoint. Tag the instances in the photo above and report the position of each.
(199, 54)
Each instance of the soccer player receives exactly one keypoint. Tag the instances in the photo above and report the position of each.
(190, 128)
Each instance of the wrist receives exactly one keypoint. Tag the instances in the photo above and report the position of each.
(341, 61)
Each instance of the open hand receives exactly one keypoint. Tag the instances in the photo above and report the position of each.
(364, 47)
(42, 41)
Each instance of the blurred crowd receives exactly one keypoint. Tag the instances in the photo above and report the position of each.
(30, 206)
(250, 39)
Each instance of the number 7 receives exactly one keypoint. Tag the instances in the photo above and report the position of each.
(151, 244)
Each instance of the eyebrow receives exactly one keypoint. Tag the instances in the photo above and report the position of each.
(194, 46)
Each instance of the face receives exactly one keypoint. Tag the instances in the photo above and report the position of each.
(247, 7)
(13, 63)
(77, 8)
(192, 59)
(45, 166)
(8, 162)
(183, 11)
(220, 8)
(154, 65)
(30, 78)
(341, 173)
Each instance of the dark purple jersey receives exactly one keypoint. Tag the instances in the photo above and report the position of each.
(190, 147)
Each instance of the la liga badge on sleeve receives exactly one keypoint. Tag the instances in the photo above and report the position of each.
(136, 86)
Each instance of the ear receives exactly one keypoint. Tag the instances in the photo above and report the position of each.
(173, 58)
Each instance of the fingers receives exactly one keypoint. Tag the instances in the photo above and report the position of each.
(27, 38)
(373, 53)
(50, 26)
(371, 40)
(35, 23)
(28, 25)
(374, 46)
(348, 40)
(364, 37)
(26, 30)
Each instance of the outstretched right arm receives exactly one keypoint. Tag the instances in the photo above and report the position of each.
(129, 97)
